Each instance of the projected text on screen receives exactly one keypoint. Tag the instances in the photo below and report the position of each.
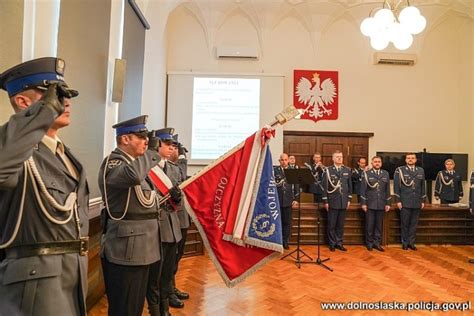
(225, 112)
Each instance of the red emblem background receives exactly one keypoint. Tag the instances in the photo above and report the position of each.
(308, 74)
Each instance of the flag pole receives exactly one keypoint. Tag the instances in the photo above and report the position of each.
(281, 118)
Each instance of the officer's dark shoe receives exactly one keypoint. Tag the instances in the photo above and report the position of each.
(404, 247)
(175, 302)
(341, 248)
(332, 248)
(369, 248)
(412, 247)
(285, 246)
(180, 294)
(379, 248)
(164, 308)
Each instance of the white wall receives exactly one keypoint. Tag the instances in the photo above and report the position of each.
(427, 106)
(11, 19)
(408, 108)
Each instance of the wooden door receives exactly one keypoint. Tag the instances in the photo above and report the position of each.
(304, 144)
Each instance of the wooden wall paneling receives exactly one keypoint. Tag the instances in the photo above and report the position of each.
(437, 225)
(304, 144)
(95, 279)
(327, 146)
(358, 147)
(300, 147)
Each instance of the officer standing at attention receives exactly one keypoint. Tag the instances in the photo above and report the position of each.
(179, 158)
(44, 197)
(337, 188)
(471, 200)
(287, 196)
(410, 193)
(357, 176)
(448, 185)
(130, 248)
(292, 162)
(170, 230)
(317, 169)
(471, 193)
(375, 200)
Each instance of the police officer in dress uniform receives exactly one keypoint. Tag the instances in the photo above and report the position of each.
(130, 248)
(292, 162)
(471, 200)
(375, 200)
(357, 176)
(170, 230)
(179, 158)
(410, 193)
(471, 193)
(43, 197)
(287, 196)
(448, 185)
(317, 169)
(337, 188)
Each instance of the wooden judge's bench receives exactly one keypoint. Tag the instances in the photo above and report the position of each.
(437, 225)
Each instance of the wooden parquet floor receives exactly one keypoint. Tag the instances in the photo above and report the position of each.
(432, 274)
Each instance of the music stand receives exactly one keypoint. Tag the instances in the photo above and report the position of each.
(298, 176)
(318, 260)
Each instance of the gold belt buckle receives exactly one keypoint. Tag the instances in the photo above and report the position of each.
(84, 250)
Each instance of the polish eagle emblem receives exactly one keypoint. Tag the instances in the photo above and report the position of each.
(318, 97)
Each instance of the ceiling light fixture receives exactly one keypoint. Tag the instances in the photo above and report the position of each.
(394, 22)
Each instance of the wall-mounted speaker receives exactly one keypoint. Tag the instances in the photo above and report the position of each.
(120, 69)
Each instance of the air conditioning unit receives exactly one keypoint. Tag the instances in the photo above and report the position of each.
(394, 59)
(248, 52)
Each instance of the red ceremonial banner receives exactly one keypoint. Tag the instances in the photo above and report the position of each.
(212, 199)
(316, 92)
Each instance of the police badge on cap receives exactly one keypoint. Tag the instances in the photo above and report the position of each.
(133, 126)
(165, 134)
(175, 140)
(35, 74)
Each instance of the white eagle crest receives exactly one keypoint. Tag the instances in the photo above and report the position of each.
(321, 95)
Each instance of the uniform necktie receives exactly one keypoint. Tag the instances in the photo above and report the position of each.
(164, 168)
(65, 160)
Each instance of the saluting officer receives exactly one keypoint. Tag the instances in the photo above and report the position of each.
(317, 169)
(179, 158)
(287, 196)
(357, 176)
(337, 188)
(170, 230)
(448, 185)
(130, 248)
(375, 199)
(43, 197)
(410, 193)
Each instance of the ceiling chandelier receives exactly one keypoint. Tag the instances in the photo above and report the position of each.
(394, 22)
